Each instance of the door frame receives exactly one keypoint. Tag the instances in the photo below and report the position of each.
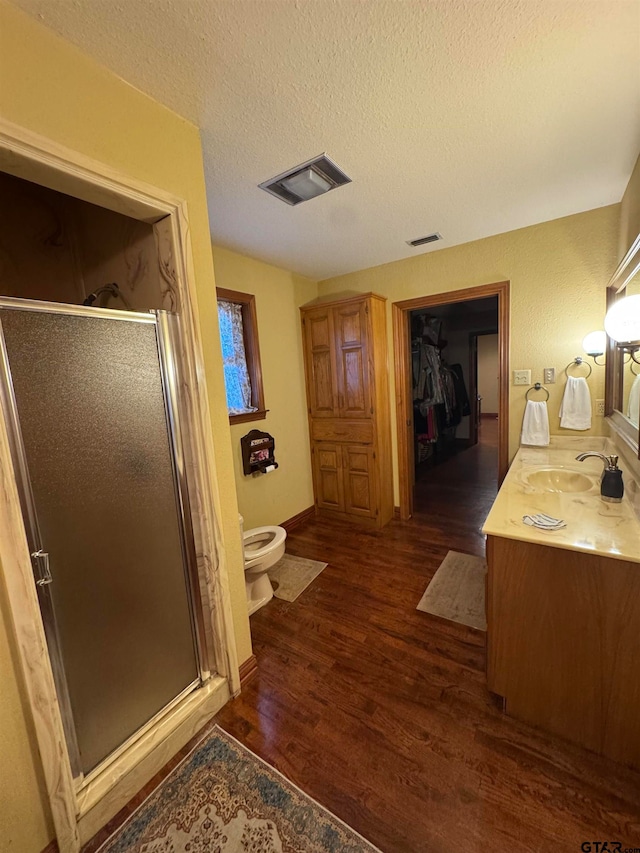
(474, 424)
(404, 397)
(80, 809)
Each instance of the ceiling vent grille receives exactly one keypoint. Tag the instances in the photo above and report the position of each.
(422, 241)
(304, 182)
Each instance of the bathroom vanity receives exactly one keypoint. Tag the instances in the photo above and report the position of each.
(563, 606)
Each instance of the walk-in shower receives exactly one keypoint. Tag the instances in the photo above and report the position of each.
(90, 399)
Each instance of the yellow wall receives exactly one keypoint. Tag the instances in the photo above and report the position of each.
(630, 212)
(52, 89)
(275, 497)
(558, 272)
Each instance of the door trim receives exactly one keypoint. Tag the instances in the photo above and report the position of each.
(78, 814)
(402, 364)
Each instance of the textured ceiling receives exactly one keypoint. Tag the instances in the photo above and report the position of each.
(465, 117)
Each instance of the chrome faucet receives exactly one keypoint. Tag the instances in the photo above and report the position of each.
(611, 485)
(609, 461)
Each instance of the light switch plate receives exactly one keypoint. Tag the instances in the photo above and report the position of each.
(522, 377)
(549, 375)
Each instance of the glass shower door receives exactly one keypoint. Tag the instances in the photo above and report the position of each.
(86, 396)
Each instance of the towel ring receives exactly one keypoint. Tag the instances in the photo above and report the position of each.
(577, 362)
(537, 387)
(633, 371)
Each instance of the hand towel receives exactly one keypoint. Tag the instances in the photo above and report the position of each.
(575, 411)
(535, 424)
(633, 406)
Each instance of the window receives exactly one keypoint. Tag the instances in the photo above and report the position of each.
(241, 356)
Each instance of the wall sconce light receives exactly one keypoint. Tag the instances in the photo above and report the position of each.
(622, 324)
(595, 344)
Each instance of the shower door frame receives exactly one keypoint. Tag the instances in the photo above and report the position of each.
(81, 806)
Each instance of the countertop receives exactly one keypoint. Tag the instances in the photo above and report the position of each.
(593, 526)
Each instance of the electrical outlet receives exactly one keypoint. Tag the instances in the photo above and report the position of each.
(600, 407)
(522, 377)
(549, 375)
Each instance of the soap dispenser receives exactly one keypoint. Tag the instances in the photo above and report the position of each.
(611, 485)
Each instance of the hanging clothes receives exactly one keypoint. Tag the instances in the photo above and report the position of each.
(427, 384)
(439, 393)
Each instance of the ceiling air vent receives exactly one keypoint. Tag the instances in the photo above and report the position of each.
(306, 181)
(422, 241)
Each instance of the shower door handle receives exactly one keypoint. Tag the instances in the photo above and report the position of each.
(41, 561)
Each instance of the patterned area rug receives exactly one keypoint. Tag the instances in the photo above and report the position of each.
(224, 799)
(292, 575)
(456, 591)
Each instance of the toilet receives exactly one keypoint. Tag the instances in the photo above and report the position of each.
(263, 547)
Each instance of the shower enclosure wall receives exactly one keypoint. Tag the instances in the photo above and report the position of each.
(118, 593)
(90, 398)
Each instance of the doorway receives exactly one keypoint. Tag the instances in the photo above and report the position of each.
(56, 284)
(108, 522)
(484, 379)
(448, 429)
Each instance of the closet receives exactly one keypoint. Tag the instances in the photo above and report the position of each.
(440, 398)
(346, 367)
(444, 371)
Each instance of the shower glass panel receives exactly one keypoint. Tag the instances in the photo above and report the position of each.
(90, 411)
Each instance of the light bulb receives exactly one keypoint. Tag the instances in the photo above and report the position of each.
(595, 343)
(622, 322)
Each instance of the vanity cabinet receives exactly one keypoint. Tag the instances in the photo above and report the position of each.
(563, 644)
(346, 367)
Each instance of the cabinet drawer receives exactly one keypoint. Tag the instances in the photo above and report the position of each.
(360, 431)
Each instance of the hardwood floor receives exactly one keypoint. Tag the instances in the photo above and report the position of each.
(381, 712)
(454, 497)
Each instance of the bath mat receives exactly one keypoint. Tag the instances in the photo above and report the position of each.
(457, 591)
(224, 799)
(292, 575)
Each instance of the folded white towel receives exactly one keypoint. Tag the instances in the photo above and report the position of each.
(535, 424)
(633, 406)
(575, 411)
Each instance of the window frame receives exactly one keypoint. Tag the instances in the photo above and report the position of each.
(247, 301)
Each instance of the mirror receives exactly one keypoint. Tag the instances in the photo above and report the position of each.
(630, 371)
(622, 392)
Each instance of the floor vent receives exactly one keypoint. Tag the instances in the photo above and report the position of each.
(422, 241)
(306, 181)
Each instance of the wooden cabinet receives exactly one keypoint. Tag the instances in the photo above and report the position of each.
(320, 361)
(346, 364)
(563, 644)
(328, 475)
(352, 361)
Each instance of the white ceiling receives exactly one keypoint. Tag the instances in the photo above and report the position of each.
(467, 117)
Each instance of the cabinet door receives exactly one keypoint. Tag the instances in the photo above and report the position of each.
(359, 490)
(327, 462)
(352, 354)
(321, 363)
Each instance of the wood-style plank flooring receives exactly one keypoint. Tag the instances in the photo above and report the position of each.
(381, 712)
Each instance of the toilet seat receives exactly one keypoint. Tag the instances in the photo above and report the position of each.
(275, 537)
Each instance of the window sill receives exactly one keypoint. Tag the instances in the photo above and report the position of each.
(260, 415)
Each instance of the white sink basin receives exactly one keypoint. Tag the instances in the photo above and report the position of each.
(558, 480)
